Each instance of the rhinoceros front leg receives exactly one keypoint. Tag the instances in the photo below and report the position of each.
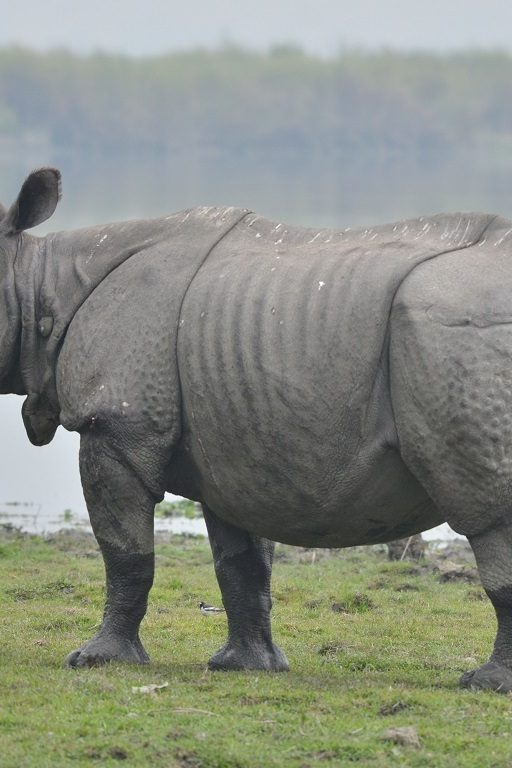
(243, 566)
(493, 553)
(121, 512)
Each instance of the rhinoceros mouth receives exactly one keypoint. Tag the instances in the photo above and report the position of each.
(40, 418)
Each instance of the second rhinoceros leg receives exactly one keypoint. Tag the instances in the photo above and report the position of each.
(243, 566)
(493, 552)
(121, 512)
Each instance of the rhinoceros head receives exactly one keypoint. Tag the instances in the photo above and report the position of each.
(35, 203)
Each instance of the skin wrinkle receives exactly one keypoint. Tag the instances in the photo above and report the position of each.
(194, 275)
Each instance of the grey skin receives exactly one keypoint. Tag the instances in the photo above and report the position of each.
(320, 388)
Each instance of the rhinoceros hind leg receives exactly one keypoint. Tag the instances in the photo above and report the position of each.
(243, 566)
(121, 512)
(493, 553)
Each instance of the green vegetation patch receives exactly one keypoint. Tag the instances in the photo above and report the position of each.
(373, 684)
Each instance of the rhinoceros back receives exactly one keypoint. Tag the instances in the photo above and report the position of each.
(282, 354)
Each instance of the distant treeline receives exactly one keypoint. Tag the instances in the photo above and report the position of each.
(233, 100)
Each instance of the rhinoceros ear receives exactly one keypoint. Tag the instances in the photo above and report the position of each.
(35, 203)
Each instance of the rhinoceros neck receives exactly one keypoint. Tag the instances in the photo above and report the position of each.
(56, 275)
(76, 262)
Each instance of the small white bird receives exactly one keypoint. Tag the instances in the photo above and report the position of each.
(209, 610)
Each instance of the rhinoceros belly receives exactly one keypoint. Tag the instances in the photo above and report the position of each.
(282, 353)
(371, 502)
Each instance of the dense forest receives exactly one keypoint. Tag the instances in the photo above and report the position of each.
(282, 101)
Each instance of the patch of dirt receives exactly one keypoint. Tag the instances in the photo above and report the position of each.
(405, 737)
(392, 709)
(476, 594)
(358, 603)
(450, 571)
(175, 734)
(187, 759)
(378, 584)
(330, 649)
(93, 753)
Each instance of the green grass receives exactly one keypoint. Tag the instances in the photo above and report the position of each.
(400, 638)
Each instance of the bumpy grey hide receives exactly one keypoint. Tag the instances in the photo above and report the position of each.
(322, 388)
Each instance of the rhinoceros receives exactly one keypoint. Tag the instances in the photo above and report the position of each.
(319, 388)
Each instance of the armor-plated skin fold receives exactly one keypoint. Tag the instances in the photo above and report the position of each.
(322, 388)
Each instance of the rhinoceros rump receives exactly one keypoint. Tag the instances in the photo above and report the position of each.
(321, 388)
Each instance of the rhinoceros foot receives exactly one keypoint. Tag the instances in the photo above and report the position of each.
(490, 676)
(232, 658)
(102, 649)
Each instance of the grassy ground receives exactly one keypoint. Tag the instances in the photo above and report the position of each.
(387, 657)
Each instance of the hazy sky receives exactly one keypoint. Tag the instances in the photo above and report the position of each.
(142, 27)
